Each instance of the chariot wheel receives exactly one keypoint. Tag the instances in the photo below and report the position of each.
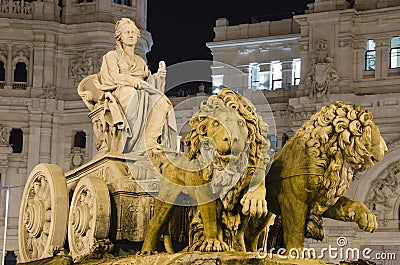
(89, 217)
(43, 213)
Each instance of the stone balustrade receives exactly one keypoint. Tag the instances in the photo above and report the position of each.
(16, 7)
(19, 85)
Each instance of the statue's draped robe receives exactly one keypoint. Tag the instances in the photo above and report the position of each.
(142, 113)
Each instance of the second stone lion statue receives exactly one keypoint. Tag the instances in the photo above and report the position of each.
(309, 176)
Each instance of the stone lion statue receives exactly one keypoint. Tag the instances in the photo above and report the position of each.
(311, 173)
(224, 172)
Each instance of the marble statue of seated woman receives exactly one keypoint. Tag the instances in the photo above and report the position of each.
(134, 99)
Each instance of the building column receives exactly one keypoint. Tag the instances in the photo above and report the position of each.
(287, 72)
(38, 71)
(45, 145)
(359, 53)
(382, 58)
(33, 140)
(385, 48)
(5, 149)
(30, 70)
(10, 69)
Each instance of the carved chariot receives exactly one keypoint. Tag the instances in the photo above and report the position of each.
(94, 207)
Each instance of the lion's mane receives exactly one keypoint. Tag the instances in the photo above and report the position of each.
(337, 139)
(245, 109)
(257, 140)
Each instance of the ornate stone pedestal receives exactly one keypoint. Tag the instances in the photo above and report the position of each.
(197, 258)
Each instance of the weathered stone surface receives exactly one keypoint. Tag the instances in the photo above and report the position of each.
(196, 258)
(57, 260)
(192, 258)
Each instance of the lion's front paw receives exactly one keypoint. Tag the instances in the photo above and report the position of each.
(254, 204)
(146, 252)
(213, 245)
(364, 218)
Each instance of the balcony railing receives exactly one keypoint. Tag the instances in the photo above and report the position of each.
(19, 85)
(20, 7)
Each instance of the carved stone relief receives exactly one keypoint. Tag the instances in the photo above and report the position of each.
(81, 65)
(21, 54)
(49, 92)
(97, 62)
(3, 137)
(77, 157)
(322, 75)
(3, 53)
(383, 193)
(133, 216)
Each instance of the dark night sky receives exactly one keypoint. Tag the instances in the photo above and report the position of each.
(181, 28)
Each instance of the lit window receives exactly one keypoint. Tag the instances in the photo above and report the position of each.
(253, 76)
(264, 82)
(370, 55)
(273, 142)
(296, 72)
(276, 69)
(217, 82)
(395, 52)
(259, 76)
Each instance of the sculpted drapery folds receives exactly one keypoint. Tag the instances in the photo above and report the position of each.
(134, 99)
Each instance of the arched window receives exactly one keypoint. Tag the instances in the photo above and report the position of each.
(370, 55)
(16, 140)
(395, 52)
(20, 72)
(2, 74)
(80, 139)
(20, 76)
